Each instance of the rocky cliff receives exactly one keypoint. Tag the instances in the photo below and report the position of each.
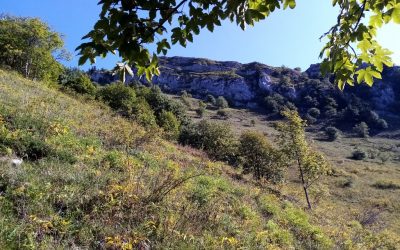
(248, 84)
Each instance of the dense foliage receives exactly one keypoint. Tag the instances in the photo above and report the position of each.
(259, 157)
(28, 45)
(77, 81)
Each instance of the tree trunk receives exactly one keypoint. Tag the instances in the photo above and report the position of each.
(304, 185)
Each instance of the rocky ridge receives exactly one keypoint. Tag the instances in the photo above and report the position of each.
(246, 84)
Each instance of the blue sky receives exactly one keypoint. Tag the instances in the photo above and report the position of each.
(289, 37)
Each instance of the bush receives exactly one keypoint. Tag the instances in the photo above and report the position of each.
(259, 157)
(332, 133)
(309, 101)
(310, 119)
(382, 124)
(330, 112)
(159, 103)
(361, 130)
(359, 155)
(386, 185)
(144, 114)
(216, 139)
(170, 124)
(200, 112)
(221, 103)
(275, 103)
(211, 99)
(314, 112)
(119, 97)
(222, 113)
(78, 81)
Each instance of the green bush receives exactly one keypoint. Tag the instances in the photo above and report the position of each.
(332, 133)
(78, 81)
(330, 112)
(200, 112)
(361, 130)
(160, 102)
(386, 185)
(359, 155)
(314, 112)
(221, 103)
(382, 124)
(223, 113)
(259, 157)
(216, 139)
(211, 99)
(119, 97)
(170, 124)
(143, 113)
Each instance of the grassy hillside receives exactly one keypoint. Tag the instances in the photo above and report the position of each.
(93, 180)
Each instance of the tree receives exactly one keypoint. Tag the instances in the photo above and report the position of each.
(78, 81)
(27, 45)
(361, 129)
(221, 103)
(130, 26)
(121, 69)
(258, 156)
(292, 140)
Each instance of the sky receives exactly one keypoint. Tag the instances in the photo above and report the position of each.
(289, 37)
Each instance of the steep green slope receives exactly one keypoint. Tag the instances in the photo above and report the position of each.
(91, 179)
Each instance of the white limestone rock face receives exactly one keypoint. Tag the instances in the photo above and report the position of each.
(246, 85)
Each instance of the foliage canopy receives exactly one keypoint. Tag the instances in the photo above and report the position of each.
(28, 46)
(130, 26)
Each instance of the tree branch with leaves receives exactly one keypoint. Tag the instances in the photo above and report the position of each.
(128, 27)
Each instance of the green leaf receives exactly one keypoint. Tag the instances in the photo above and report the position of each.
(396, 14)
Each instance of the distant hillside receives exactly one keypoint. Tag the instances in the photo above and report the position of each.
(247, 84)
(271, 89)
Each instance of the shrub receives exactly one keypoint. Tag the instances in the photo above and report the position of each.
(310, 119)
(78, 81)
(314, 112)
(386, 185)
(361, 130)
(332, 133)
(382, 124)
(330, 112)
(185, 94)
(221, 103)
(216, 139)
(186, 101)
(202, 104)
(252, 122)
(275, 103)
(119, 97)
(359, 155)
(170, 124)
(143, 113)
(159, 103)
(259, 157)
(211, 99)
(309, 101)
(223, 113)
(200, 112)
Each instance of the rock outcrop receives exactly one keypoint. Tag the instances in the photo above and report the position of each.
(246, 84)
